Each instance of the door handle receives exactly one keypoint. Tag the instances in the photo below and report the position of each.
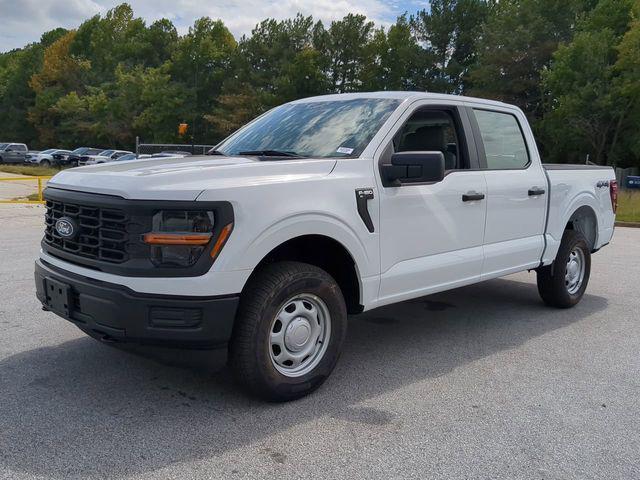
(472, 196)
(534, 191)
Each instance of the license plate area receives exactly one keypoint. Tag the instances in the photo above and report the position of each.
(58, 296)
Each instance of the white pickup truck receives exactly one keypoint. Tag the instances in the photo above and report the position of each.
(317, 209)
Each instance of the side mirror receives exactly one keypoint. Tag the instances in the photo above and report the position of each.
(413, 167)
(9, 149)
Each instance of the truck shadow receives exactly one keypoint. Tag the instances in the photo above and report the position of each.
(83, 409)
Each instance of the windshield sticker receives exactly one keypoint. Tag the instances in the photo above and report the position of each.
(345, 150)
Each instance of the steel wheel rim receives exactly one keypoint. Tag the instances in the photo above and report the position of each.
(299, 335)
(574, 273)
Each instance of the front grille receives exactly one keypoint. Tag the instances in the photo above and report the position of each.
(103, 231)
(110, 232)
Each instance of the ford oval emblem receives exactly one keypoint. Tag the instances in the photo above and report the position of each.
(66, 227)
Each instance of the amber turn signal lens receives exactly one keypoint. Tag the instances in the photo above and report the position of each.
(177, 238)
(222, 238)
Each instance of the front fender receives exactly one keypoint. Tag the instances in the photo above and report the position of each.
(250, 254)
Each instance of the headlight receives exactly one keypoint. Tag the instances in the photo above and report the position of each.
(179, 238)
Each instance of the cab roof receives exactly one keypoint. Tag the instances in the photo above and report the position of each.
(400, 95)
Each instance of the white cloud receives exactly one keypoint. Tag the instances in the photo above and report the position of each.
(25, 20)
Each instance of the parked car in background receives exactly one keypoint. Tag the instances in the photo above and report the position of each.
(13, 152)
(73, 158)
(102, 157)
(45, 157)
(172, 153)
(128, 156)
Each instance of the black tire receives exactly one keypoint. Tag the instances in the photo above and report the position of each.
(45, 163)
(262, 300)
(552, 284)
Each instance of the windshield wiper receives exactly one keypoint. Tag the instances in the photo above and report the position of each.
(269, 153)
(215, 152)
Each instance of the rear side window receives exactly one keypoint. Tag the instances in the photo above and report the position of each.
(504, 144)
(19, 148)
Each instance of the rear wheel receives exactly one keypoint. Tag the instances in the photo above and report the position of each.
(289, 331)
(563, 283)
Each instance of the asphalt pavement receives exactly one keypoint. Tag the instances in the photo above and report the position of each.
(482, 382)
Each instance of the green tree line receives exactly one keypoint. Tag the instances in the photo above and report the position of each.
(573, 66)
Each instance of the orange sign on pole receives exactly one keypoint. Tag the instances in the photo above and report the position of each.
(182, 129)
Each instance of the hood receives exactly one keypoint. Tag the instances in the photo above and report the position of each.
(185, 178)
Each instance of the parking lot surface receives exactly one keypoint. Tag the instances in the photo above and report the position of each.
(479, 382)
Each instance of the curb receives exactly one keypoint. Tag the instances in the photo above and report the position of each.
(628, 224)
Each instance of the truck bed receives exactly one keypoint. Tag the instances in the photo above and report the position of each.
(571, 186)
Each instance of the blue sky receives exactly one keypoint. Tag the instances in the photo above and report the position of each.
(25, 20)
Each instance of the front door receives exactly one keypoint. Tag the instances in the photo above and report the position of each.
(431, 234)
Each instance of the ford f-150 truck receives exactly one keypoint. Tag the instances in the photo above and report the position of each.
(317, 209)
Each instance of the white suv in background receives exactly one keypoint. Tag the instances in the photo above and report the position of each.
(45, 157)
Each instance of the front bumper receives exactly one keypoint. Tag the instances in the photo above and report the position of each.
(115, 313)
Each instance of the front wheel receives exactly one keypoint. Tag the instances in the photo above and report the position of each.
(563, 283)
(289, 331)
(45, 163)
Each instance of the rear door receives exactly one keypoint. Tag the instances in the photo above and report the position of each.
(516, 190)
(430, 237)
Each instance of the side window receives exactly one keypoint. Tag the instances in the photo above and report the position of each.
(431, 130)
(504, 144)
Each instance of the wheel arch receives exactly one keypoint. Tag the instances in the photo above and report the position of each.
(326, 253)
(585, 220)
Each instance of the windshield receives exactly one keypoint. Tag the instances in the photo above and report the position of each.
(3, 146)
(106, 153)
(340, 128)
(51, 150)
(80, 150)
